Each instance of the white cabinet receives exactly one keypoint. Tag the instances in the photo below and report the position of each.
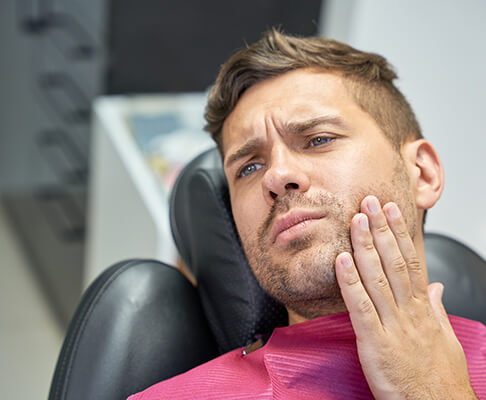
(139, 145)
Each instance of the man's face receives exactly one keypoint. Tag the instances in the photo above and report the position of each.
(300, 155)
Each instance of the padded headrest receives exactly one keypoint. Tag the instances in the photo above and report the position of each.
(236, 306)
(463, 273)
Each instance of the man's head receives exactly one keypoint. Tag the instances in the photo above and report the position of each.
(307, 128)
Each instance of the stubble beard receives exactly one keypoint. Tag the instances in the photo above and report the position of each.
(301, 275)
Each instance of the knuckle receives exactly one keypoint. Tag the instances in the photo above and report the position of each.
(414, 264)
(382, 228)
(366, 242)
(401, 233)
(352, 280)
(412, 315)
(418, 319)
(368, 246)
(365, 306)
(399, 265)
(380, 281)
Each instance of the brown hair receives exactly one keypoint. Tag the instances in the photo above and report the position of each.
(368, 77)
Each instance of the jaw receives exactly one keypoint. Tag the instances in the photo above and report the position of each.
(303, 279)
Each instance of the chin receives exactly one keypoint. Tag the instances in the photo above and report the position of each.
(305, 273)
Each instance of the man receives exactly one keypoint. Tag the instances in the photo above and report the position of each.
(329, 180)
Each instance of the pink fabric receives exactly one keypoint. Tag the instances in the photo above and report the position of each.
(316, 359)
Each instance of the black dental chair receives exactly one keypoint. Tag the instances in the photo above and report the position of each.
(142, 321)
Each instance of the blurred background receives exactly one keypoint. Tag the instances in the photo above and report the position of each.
(96, 95)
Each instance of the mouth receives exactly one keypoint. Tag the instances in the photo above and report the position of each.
(294, 224)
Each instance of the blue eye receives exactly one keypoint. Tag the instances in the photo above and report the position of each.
(319, 140)
(249, 169)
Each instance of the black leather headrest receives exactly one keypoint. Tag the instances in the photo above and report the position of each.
(463, 273)
(236, 306)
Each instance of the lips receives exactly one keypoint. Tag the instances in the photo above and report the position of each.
(291, 220)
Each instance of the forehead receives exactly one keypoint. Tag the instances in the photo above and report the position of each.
(294, 96)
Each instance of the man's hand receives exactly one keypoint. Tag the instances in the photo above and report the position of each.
(406, 345)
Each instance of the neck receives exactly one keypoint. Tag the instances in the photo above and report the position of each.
(315, 312)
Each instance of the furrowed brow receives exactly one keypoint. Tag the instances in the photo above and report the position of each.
(291, 127)
(248, 148)
(303, 126)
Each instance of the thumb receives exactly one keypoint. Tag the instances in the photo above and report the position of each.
(435, 291)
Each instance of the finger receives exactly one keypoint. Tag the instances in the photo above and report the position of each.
(416, 270)
(391, 257)
(435, 292)
(362, 312)
(369, 267)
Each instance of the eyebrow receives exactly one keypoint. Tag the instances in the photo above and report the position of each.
(303, 126)
(247, 149)
(289, 127)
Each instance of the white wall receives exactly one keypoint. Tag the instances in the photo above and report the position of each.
(439, 50)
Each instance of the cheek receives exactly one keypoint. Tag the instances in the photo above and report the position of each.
(366, 169)
(248, 213)
(339, 177)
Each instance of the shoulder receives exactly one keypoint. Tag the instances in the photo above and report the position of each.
(220, 378)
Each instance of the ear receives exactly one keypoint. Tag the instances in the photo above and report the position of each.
(425, 171)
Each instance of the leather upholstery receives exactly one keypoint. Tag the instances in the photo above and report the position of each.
(463, 273)
(139, 323)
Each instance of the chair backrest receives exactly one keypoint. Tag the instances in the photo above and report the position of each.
(141, 321)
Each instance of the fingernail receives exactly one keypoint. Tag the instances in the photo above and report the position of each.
(373, 205)
(393, 211)
(363, 223)
(346, 260)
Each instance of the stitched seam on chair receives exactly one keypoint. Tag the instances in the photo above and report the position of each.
(85, 314)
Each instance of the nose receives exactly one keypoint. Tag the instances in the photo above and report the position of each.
(285, 172)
